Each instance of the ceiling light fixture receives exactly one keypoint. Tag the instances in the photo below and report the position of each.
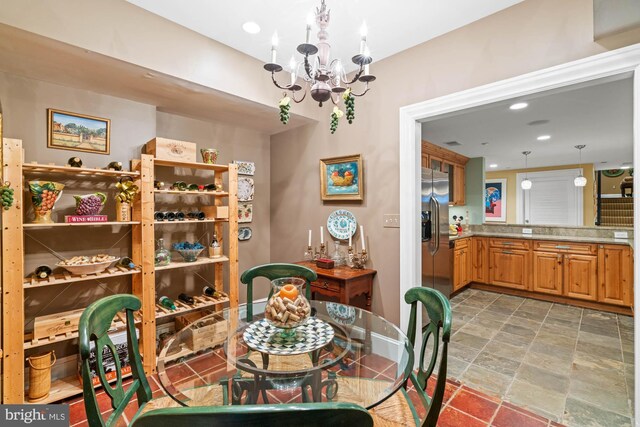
(544, 137)
(526, 183)
(326, 79)
(493, 165)
(251, 27)
(519, 106)
(580, 180)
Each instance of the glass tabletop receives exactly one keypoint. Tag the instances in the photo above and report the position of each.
(340, 354)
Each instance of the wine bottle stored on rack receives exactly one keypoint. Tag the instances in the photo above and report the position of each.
(215, 251)
(167, 302)
(209, 291)
(187, 299)
(127, 262)
(42, 272)
(116, 166)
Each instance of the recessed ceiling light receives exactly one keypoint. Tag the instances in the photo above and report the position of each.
(251, 27)
(544, 137)
(518, 106)
(493, 165)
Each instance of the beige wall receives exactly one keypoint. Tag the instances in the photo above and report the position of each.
(588, 194)
(612, 185)
(532, 35)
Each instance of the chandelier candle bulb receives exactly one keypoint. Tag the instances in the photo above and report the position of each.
(310, 19)
(274, 45)
(363, 40)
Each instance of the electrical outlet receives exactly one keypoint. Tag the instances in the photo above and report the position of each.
(391, 220)
(620, 235)
(527, 231)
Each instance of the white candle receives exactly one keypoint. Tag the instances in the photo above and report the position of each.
(274, 44)
(363, 39)
(309, 238)
(310, 19)
(292, 66)
(321, 234)
(349, 240)
(362, 235)
(366, 70)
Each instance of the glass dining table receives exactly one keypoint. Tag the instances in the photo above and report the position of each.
(340, 354)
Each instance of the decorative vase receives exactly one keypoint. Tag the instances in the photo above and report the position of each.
(44, 195)
(162, 255)
(287, 307)
(209, 155)
(123, 211)
(90, 204)
(40, 375)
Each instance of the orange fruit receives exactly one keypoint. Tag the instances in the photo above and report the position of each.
(289, 291)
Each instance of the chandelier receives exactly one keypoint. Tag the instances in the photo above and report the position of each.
(324, 78)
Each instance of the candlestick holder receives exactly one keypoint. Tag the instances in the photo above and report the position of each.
(308, 254)
(359, 260)
(350, 256)
(323, 251)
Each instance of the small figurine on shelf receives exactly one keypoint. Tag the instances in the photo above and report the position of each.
(458, 220)
(114, 166)
(127, 191)
(74, 162)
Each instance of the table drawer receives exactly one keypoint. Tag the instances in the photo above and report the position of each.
(509, 243)
(327, 284)
(461, 243)
(572, 247)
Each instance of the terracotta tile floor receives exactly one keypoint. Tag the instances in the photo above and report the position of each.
(462, 406)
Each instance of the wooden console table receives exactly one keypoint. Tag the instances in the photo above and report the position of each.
(342, 282)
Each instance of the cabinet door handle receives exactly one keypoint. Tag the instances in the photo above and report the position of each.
(563, 247)
(325, 285)
(507, 243)
(507, 252)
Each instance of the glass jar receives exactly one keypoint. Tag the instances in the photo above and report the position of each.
(338, 256)
(287, 307)
(163, 256)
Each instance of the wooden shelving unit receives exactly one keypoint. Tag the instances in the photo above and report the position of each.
(143, 278)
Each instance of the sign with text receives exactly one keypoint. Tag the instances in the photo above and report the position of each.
(34, 415)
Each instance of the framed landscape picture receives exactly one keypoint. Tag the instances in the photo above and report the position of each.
(342, 178)
(78, 132)
(495, 200)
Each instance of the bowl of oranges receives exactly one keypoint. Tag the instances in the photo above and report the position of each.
(287, 307)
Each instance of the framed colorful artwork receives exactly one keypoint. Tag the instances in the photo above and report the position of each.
(342, 178)
(495, 200)
(245, 168)
(245, 212)
(78, 132)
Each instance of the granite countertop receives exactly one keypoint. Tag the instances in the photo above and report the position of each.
(577, 239)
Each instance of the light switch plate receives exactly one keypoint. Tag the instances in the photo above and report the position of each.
(391, 220)
(620, 235)
(527, 231)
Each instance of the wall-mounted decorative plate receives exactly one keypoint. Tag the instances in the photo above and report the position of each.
(341, 224)
(245, 189)
(244, 233)
(245, 212)
(245, 168)
(613, 173)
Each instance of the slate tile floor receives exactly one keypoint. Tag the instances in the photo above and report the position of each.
(565, 363)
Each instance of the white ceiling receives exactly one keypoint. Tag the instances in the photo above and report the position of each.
(599, 115)
(393, 26)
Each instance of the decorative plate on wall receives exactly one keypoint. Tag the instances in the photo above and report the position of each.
(245, 189)
(613, 173)
(244, 233)
(245, 212)
(341, 224)
(245, 168)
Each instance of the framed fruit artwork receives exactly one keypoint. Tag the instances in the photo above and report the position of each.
(245, 212)
(342, 178)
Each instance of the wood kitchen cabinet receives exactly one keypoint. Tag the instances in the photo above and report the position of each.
(461, 263)
(581, 276)
(615, 275)
(547, 272)
(480, 259)
(509, 268)
(450, 162)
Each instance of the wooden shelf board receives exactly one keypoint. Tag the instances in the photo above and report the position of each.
(79, 224)
(66, 277)
(200, 261)
(190, 221)
(30, 343)
(177, 164)
(202, 302)
(63, 388)
(84, 172)
(193, 193)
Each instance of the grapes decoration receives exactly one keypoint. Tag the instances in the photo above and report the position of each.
(90, 204)
(285, 106)
(6, 195)
(349, 103)
(335, 117)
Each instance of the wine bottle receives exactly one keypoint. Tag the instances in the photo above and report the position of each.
(127, 262)
(199, 215)
(215, 251)
(75, 162)
(116, 166)
(187, 299)
(42, 272)
(209, 291)
(167, 303)
(170, 216)
(179, 216)
(159, 216)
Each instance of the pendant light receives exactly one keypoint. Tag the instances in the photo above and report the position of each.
(526, 182)
(580, 180)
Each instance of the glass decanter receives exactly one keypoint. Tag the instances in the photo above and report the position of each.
(163, 256)
(338, 256)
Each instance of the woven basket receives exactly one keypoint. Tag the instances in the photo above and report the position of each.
(40, 375)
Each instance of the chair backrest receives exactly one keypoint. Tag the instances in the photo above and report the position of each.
(302, 414)
(272, 272)
(95, 323)
(438, 329)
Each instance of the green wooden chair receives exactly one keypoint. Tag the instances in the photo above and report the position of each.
(399, 409)
(299, 415)
(272, 272)
(95, 323)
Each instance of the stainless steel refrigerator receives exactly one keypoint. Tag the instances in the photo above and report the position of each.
(436, 254)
